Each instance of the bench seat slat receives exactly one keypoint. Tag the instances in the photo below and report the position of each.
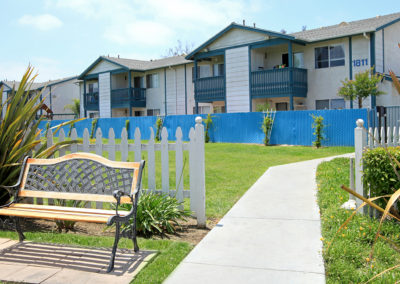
(72, 196)
(70, 209)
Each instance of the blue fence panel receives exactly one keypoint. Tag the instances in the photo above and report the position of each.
(290, 127)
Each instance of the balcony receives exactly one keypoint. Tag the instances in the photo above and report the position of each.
(128, 97)
(210, 89)
(92, 101)
(279, 83)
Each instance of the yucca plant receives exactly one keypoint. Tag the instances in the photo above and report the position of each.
(19, 133)
(157, 214)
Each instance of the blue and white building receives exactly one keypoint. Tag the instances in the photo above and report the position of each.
(244, 66)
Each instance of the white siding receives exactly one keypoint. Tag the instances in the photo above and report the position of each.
(176, 90)
(155, 96)
(190, 89)
(379, 51)
(236, 37)
(104, 95)
(237, 79)
(103, 66)
(392, 50)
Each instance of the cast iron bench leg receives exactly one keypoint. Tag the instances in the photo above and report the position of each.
(135, 245)
(18, 229)
(114, 249)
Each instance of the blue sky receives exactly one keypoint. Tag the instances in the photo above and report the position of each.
(61, 38)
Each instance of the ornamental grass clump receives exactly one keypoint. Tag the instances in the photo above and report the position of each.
(19, 132)
(157, 214)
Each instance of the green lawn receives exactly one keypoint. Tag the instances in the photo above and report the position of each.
(347, 260)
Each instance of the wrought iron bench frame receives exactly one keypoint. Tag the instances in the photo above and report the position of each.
(65, 178)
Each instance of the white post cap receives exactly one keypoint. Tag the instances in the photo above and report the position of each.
(199, 119)
(360, 123)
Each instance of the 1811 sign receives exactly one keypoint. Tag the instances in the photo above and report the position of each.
(360, 62)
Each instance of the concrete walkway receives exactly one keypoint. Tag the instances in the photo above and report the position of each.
(271, 235)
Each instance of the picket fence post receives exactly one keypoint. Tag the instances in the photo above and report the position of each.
(359, 144)
(200, 183)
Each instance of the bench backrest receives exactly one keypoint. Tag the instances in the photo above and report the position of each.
(80, 176)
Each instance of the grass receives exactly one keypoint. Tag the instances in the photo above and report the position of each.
(347, 260)
(170, 253)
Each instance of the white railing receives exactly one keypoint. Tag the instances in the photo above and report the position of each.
(195, 147)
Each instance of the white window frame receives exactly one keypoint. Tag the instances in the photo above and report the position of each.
(329, 56)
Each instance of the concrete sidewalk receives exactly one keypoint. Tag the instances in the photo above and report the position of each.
(271, 235)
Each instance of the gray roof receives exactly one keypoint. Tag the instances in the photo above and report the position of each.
(142, 65)
(347, 28)
(37, 86)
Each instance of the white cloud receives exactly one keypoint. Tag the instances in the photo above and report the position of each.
(42, 22)
(159, 22)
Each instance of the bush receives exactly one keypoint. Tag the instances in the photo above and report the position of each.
(94, 127)
(157, 214)
(159, 124)
(266, 127)
(208, 122)
(379, 173)
(318, 125)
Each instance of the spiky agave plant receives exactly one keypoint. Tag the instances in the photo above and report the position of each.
(19, 133)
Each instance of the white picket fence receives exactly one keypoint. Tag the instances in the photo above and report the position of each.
(195, 147)
(362, 141)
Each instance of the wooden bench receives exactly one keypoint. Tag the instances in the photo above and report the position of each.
(82, 177)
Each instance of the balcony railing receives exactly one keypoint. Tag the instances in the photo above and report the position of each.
(125, 98)
(92, 101)
(279, 82)
(210, 89)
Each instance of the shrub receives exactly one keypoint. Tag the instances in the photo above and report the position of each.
(159, 124)
(208, 122)
(266, 127)
(127, 122)
(379, 173)
(94, 126)
(318, 125)
(157, 214)
(263, 107)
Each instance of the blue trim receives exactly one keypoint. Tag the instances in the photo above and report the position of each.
(194, 82)
(372, 59)
(165, 91)
(96, 75)
(232, 26)
(110, 96)
(290, 54)
(226, 106)
(388, 24)
(290, 57)
(2, 83)
(250, 97)
(130, 93)
(210, 53)
(84, 97)
(383, 50)
(350, 64)
(185, 91)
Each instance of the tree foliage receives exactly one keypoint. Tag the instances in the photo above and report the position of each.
(365, 84)
(75, 108)
(179, 49)
(19, 132)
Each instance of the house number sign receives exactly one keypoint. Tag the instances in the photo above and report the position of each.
(360, 62)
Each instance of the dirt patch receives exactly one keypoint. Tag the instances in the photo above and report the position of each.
(188, 233)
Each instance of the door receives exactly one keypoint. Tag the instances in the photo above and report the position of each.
(137, 82)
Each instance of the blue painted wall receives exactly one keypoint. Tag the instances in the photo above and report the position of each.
(290, 127)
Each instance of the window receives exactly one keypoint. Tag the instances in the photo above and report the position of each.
(153, 112)
(329, 56)
(152, 81)
(281, 106)
(202, 109)
(219, 109)
(322, 104)
(298, 60)
(338, 104)
(202, 71)
(218, 69)
(93, 87)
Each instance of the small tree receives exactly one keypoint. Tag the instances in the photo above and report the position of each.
(159, 124)
(266, 127)
(318, 125)
(75, 107)
(364, 85)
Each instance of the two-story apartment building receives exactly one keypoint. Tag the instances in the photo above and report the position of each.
(243, 66)
(114, 87)
(56, 94)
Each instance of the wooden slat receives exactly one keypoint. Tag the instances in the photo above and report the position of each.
(73, 196)
(52, 216)
(70, 209)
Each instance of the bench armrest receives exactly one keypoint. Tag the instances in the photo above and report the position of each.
(124, 219)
